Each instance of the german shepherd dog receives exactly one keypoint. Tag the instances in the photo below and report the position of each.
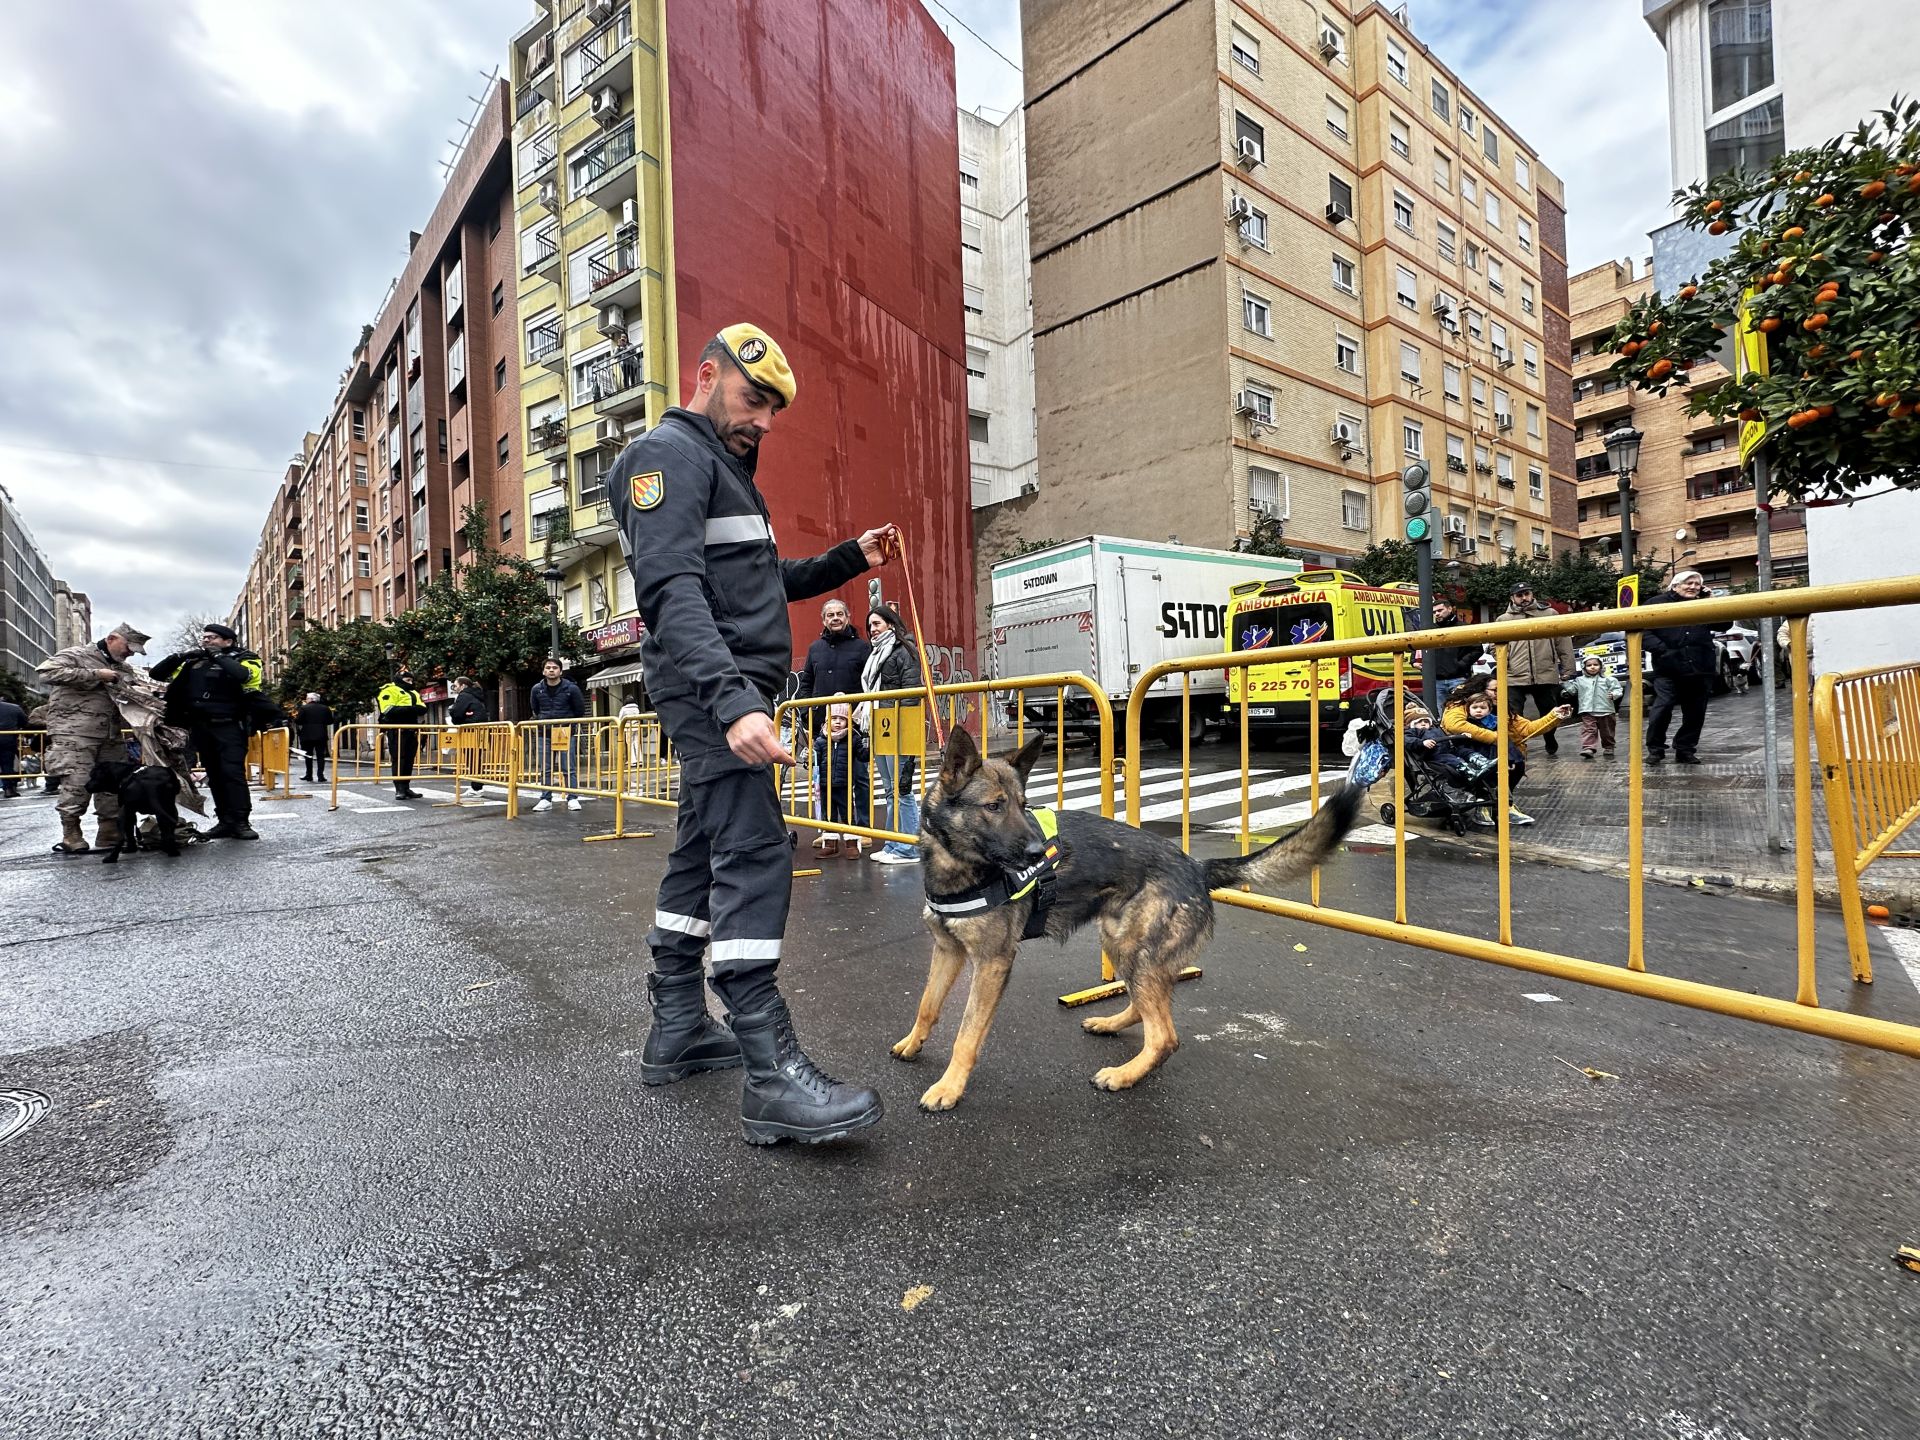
(142, 790)
(1152, 900)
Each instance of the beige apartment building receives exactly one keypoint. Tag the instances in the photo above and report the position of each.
(1280, 250)
(1692, 503)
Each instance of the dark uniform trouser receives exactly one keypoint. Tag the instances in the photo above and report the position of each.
(316, 752)
(222, 744)
(401, 748)
(730, 876)
(1690, 693)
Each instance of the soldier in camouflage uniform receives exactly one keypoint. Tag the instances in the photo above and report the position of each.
(83, 725)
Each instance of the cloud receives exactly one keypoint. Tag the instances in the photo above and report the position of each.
(206, 202)
(982, 79)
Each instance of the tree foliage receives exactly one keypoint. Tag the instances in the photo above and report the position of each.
(1391, 562)
(1825, 264)
(347, 664)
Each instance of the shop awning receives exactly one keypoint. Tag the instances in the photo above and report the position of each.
(615, 675)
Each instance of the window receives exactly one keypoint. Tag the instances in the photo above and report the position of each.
(1522, 171)
(1406, 287)
(1467, 120)
(1536, 485)
(1469, 191)
(969, 173)
(1450, 381)
(360, 470)
(1475, 325)
(973, 299)
(1346, 353)
(500, 375)
(970, 235)
(1503, 468)
(1448, 235)
(363, 561)
(1473, 256)
(1399, 137)
(543, 334)
(1442, 172)
(1397, 61)
(1739, 49)
(505, 449)
(976, 362)
(1456, 452)
(1480, 392)
(1403, 212)
(1343, 274)
(1502, 405)
(1441, 105)
(1353, 510)
(1496, 275)
(1256, 314)
(1410, 438)
(1260, 399)
(979, 430)
(499, 296)
(1749, 141)
(1410, 362)
(1482, 457)
(1246, 50)
(1530, 354)
(1490, 143)
(1250, 139)
(359, 423)
(506, 524)
(1253, 228)
(1340, 194)
(1533, 421)
(360, 517)
(1526, 296)
(1523, 232)
(590, 481)
(1263, 489)
(1501, 352)
(443, 437)
(1493, 208)
(1336, 117)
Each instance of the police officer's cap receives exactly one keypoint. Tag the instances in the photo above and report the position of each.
(760, 360)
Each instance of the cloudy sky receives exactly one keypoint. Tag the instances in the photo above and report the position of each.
(206, 199)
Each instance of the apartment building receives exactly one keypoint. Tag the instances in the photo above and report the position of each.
(28, 632)
(680, 166)
(1692, 501)
(329, 527)
(1280, 251)
(998, 300)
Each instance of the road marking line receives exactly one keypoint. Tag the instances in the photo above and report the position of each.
(1541, 997)
(1905, 945)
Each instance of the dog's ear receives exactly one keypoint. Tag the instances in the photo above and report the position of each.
(961, 760)
(1024, 758)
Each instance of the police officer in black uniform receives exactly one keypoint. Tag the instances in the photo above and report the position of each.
(212, 690)
(713, 591)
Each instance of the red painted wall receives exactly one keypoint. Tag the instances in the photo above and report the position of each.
(815, 172)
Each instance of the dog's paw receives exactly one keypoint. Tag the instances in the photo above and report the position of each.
(942, 1096)
(1114, 1077)
(908, 1048)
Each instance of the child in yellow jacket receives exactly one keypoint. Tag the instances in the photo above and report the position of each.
(1469, 718)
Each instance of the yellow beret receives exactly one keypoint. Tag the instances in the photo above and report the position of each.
(762, 361)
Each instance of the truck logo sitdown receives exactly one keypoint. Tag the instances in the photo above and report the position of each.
(1193, 622)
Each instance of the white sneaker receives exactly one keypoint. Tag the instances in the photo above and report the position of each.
(573, 802)
(888, 857)
(544, 805)
(1515, 817)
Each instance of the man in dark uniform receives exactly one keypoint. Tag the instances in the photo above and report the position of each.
(218, 683)
(400, 705)
(713, 591)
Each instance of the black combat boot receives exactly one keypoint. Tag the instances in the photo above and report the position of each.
(684, 1040)
(787, 1096)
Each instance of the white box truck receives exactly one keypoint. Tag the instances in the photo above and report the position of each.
(1110, 608)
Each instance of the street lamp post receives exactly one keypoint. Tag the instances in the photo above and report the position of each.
(556, 579)
(1623, 452)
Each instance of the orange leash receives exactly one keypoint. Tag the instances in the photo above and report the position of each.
(899, 547)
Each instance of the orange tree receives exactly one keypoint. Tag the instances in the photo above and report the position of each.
(1825, 264)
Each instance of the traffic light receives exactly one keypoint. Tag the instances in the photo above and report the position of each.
(1418, 501)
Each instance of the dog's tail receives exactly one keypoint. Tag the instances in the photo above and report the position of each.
(1296, 852)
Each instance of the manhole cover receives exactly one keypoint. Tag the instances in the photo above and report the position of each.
(20, 1110)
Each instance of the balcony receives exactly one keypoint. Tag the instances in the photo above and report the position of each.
(596, 62)
(544, 347)
(1733, 497)
(537, 159)
(604, 172)
(592, 530)
(616, 277)
(296, 577)
(1698, 425)
(549, 437)
(619, 383)
(1706, 462)
(543, 256)
(1603, 406)
(1734, 547)
(537, 68)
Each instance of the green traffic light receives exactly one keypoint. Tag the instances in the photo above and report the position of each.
(1419, 527)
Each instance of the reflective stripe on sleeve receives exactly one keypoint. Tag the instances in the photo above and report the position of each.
(737, 530)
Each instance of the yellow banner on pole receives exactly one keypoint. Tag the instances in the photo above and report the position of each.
(1626, 593)
(1749, 358)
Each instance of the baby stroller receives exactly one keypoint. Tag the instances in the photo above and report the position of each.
(1433, 793)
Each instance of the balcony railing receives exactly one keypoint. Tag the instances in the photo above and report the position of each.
(616, 264)
(543, 341)
(616, 374)
(602, 157)
(545, 249)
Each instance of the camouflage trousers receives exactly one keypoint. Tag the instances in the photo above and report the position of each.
(71, 757)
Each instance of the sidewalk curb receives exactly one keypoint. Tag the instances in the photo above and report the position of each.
(1899, 895)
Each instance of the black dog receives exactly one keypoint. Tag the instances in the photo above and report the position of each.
(143, 790)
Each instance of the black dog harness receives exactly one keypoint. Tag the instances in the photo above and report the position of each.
(1036, 879)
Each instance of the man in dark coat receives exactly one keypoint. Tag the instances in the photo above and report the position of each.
(834, 663)
(12, 720)
(313, 723)
(469, 708)
(1452, 664)
(1683, 667)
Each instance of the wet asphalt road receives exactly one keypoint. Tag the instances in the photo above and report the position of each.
(345, 1138)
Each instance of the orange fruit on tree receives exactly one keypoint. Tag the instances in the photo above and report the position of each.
(1815, 321)
(1874, 257)
(1714, 206)
(1793, 232)
(1654, 328)
(1718, 227)
(1660, 369)
(1798, 420)
(1802, 177)
(1873, 189)
(1824, 201)
(1750, 414)
(1825, 412)
(1817, 351)
(1770, 324)
(1855, 354)
(1687, 292)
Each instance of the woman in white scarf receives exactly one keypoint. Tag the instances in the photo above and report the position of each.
(893, 665)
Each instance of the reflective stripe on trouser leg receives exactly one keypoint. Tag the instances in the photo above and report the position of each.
(678, 938)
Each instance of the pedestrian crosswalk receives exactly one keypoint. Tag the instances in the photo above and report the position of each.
(1213, 799)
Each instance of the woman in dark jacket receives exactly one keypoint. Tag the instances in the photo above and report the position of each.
(1683, 666)
(895, 665)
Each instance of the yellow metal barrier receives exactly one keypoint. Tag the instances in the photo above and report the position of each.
(1868, 726)
(1893, 782)
(571, 758)
(367, 754)
(29, 747)
(645, 773)
(269, 752)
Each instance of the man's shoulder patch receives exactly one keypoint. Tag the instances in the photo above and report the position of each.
(648, 490)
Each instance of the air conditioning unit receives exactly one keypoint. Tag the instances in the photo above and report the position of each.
(613, 321)
(550, 196)
(606, 106)
(1343, 435)
(1443, 305)
(629, 218)
(598, 10)
(1329, 45)
(1503, 358)
(1454, 525)
(1249, 152)
(1505, 422)
(610, 432)
(1029, 487)
(557, 473)
(1239, 209)
(1243, 403)
(1508, 548)
(1337, 215)
(1264, 507)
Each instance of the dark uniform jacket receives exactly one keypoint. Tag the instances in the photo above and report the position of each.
(1680, 650)
(469, 708)
(712, 587)
(12, 717)
(833, 667)
(400, 704)
(314, 722)
(210, 684)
